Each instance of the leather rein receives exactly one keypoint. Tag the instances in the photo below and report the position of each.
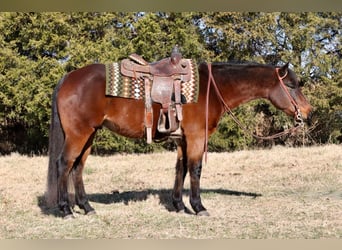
(299, 123)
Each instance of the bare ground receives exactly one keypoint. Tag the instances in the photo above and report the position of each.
(282, 193)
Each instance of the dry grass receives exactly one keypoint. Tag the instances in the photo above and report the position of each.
(300, 197)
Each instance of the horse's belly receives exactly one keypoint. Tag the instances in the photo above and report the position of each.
(125, 117)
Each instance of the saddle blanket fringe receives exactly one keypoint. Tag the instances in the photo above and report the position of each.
(122, 86)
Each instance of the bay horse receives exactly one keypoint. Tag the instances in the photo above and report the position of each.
(80, 107)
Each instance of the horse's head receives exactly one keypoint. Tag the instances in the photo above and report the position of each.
(287, 95)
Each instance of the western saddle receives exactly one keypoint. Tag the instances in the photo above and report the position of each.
(162, 80)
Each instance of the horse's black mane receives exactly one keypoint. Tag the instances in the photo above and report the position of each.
(243, 63)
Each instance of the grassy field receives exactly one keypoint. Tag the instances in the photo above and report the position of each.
(281, 193)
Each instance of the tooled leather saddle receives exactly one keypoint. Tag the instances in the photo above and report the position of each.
(162, 80)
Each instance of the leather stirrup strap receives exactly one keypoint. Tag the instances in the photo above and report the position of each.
(177, 88)
(148, 110)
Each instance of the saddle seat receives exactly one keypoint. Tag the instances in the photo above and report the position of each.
(163, 81)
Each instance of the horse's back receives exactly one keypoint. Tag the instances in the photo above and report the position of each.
(90, 77)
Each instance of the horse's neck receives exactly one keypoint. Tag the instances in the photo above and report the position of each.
(243, 88)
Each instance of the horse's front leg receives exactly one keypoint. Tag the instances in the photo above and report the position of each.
(189, 158)
(195, 169)
(181, 171)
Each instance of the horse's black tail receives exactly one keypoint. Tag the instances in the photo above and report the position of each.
(56, 141)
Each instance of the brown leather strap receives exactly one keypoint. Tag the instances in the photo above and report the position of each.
(148, 110)
(210, 76)
(298, 115)
(177, 92)
(137, 58)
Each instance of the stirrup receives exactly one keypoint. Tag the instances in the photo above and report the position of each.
(167, 122)
(177, 134)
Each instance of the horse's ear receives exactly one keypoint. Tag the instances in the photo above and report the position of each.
(283, 69)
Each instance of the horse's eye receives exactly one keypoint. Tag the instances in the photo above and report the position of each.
(290, 85)
(301, 83)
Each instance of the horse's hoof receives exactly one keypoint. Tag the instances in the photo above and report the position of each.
(69, 217)
(185, 211)
(203, 213)
(92, 212)
(182, 211)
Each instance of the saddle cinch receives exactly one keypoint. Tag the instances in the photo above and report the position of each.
(163, 80)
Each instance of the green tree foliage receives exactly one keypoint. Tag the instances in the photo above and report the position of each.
(37, 49)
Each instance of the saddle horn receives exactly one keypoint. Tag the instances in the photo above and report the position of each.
(176, 56)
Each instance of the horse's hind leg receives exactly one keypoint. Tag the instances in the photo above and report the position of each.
(73, 148)
(80, 194)
(63, 170)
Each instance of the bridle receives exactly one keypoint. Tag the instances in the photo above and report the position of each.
(298, 114)
(299, 123)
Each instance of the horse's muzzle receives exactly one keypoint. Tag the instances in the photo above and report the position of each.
(298, 119)
(308, 120)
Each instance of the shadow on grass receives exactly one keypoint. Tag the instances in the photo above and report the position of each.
(164, 195)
